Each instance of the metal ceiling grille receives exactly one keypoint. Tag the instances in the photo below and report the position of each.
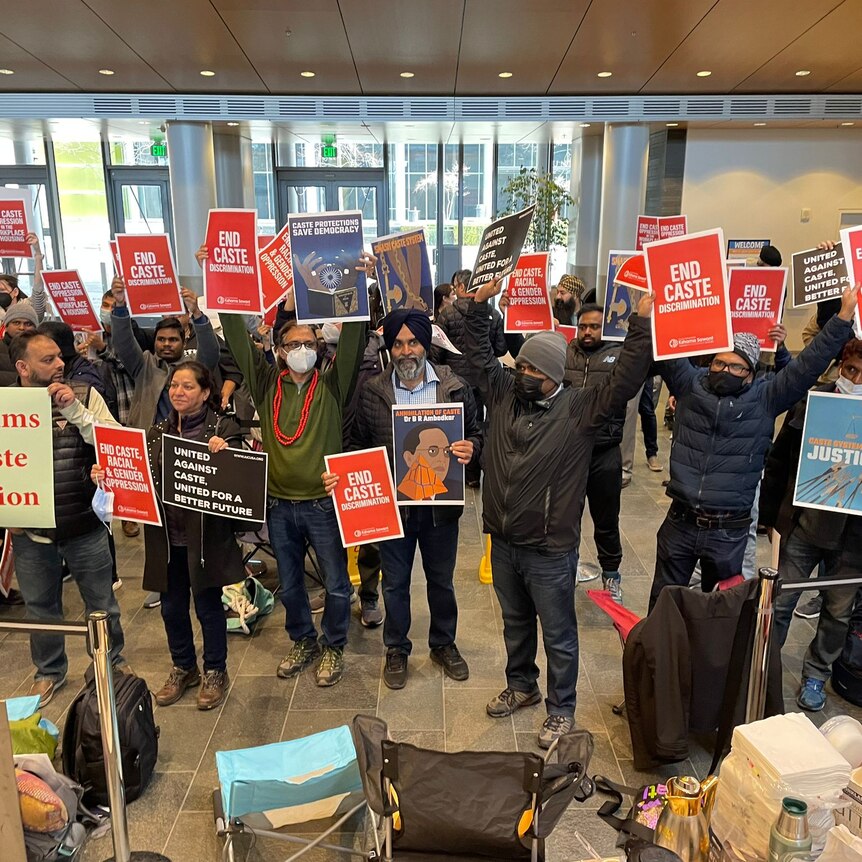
(382, 109)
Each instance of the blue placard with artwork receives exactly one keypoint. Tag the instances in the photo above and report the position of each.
(618, 300)
(404, 271)
(325, 250)
(830, 460)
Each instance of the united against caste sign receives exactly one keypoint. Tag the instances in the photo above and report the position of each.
(818, 274)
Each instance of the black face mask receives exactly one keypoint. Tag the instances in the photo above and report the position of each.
(724, 383)
(528, 388)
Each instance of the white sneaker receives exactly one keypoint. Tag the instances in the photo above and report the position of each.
(117, 584)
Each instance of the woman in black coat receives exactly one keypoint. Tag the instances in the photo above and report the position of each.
(192, 553)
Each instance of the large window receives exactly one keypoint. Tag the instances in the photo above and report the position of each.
(317, 154)
(264, 188)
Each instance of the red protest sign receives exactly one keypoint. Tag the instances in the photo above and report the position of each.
(264, 239)
(632, 273)
(70, 298)
(276, 269)
(123, 454)
(148, 270)
(15, 208)
(670, 226)
(647, 231)
(231, 273)
(570, 333)
(365, 497)
(757, 300)
(851, 241)
(529, 308)
(691, 315)
(115, 256)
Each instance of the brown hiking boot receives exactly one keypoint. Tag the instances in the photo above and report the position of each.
(175, 685)
(214, 689)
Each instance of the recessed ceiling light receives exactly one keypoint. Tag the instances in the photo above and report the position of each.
(6, 72)
(106, 71)
(803, 72)
(671, 125)
(584, 125)
(407, 74)
(207, 73)
(604, 74)
(233, 124)
(760, 124)
(848, 124)
(307, 74)
(504, 75)
(704, 73)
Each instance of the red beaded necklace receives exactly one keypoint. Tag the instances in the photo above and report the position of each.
(303, 418)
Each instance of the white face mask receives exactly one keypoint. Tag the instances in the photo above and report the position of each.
(331, 333)
(848, 387)
(301, 360)
(105, 318)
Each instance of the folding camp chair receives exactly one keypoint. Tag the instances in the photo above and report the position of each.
(470, 805)
(264, 790)
(259, 540)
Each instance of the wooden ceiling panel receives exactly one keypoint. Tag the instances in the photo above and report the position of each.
(631, 40)
(528, 40)
(388, 37)
(317, 44)
(829, 49)
(70, 38)
(30, 72)
(196, 39)
(733, 52)
(851, 83)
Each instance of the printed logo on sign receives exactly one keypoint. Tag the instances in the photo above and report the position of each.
(357, 533)
(673, 342)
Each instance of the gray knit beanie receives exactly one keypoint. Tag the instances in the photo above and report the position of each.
(546, 351)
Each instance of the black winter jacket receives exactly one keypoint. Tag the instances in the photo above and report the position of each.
(829, 530)
(8, 374)
(452, 321)
(537, 457)
(719, 444)
(372, 425)
(214, 556)
(585, 368)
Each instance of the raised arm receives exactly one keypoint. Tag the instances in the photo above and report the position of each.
(122, 336)
(208, 347)
(258, 374)
(38, 296)
(494, 381)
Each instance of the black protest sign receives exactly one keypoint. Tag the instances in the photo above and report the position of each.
(230, 483)
(818, 274)
(500, 247)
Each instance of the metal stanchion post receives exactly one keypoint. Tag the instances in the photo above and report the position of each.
(100, 640)
(755, 702)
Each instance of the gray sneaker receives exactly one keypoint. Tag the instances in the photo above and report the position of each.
(370, 614)
(152, 600)
(301, 655)
(509, 700)
(554, 727)
(331, 667)
(810, 608)
(613, 584)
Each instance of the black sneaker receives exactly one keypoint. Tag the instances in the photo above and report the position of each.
(509, 700)
(331, 667)
(452, 662)
(302, 654)
(395, 671)
(810, 608)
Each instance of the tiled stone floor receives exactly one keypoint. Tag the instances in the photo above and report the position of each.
(175, 814)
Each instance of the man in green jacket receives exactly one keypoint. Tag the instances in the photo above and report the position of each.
(300, 413)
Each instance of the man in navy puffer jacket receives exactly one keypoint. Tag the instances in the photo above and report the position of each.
(724, 422)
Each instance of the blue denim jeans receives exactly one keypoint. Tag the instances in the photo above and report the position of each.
(178, 624)
(39, 568)
(438, 547)
(798, 558)
(528, 585)
(291, 524)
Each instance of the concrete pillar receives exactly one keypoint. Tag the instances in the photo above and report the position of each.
(624, 177)
(586, 189)
(234, 171)
(193, 194)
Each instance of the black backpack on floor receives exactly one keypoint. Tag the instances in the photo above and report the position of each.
(139, 738)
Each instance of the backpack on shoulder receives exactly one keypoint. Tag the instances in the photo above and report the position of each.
(139, 738)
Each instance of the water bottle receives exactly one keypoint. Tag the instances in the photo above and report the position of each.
(790, 833)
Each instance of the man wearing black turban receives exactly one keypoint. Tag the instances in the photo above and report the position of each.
(410, 379)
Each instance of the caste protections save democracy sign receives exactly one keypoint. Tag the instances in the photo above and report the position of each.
(691, 315)
(123, 454)
(529, 307)
(147, 265)
(757, 301)
(231, 273)
(26, 458)
(830, 459)
(70, 298)
(364, 497)
(230, 483)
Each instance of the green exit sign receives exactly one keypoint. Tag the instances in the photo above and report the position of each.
(159, 150)
(330, 151)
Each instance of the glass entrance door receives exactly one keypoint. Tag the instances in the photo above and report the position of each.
(141, 202)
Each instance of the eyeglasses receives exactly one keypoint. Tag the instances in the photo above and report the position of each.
(295, 345)
(434, 451)
(734, 368)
